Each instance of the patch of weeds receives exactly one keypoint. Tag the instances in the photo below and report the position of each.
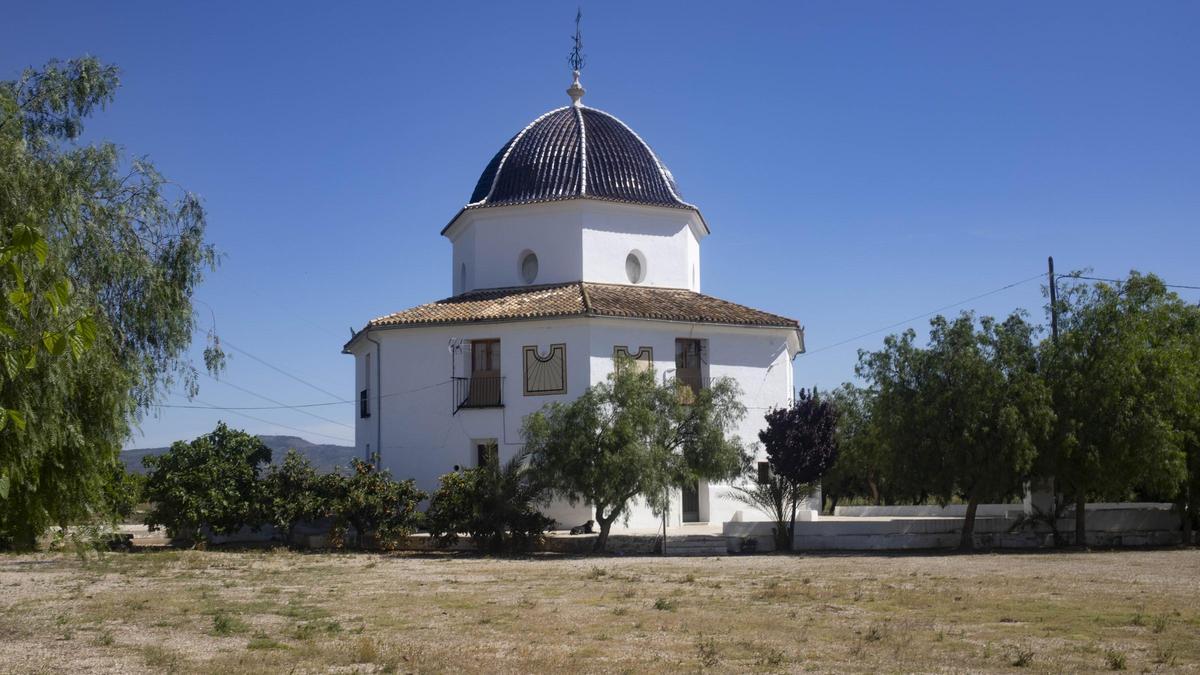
(264, 641)
(1138, 619)
(688, 578)
(311, 629)
(1022, 657)
(364, 650)
(620, 611)
(772, 658)
(224, 624)
(1115, 659)
(664, 605)
(1160, 623)
(1164, 655)
(875, 633)
(105, 639)
(160, 658)
(709, 651)
(596, 573)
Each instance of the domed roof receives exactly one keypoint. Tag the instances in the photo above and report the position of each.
(576, 152)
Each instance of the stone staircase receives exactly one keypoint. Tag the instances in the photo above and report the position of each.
(696, 545)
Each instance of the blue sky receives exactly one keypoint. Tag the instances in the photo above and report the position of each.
(859, 163)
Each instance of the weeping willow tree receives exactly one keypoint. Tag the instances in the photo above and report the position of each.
(99, 256)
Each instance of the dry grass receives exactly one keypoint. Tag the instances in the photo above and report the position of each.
(278, 611)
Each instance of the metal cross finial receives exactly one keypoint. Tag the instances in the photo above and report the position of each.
(576, 58)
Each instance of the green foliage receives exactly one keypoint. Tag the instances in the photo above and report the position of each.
(97, 266)
(495, 505)
(293, 492)
(373, 503)
(124, 491)
(1124, 381)
(777, 498)
(632, 437)
(965, 415)
(863, 457)
(210, 483)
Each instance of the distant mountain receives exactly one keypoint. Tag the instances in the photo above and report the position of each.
(324, 457)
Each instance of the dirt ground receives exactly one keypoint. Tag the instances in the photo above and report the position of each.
(281, 611)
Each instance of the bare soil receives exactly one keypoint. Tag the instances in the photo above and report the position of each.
(282, 611)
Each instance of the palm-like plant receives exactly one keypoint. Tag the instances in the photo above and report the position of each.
(775, 498)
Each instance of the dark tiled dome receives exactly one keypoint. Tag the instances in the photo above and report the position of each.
(572, 152)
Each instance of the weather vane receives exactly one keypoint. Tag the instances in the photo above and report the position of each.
(576, 58)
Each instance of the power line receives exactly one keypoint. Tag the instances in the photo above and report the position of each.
(282, 405)
(277, 369)
(1121, 281)
(1039, 275)
(285, 426)
(289, 407)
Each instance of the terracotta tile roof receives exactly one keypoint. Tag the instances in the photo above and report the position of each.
(583, 299)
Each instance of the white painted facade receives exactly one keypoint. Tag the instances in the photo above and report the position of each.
(576, 240)
(417, 433)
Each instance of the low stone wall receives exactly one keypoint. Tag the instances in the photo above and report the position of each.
(1107, 525)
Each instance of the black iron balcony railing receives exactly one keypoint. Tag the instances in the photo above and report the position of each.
(478, 391)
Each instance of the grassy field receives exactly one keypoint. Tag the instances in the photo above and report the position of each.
(280, 611)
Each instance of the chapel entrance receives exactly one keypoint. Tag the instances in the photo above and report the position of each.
(691, 503)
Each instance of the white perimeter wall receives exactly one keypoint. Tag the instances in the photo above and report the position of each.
(420, 438)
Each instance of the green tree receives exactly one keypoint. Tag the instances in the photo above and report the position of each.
(967, 413)
(630, 437)
(210, 483)
(98, 261)
(801, 444)
(293, 493)
(373, 503)
(863, 456)
(496, 505)
(1123, 379)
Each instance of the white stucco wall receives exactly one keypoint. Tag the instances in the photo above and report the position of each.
(419, 437)
(575, 240)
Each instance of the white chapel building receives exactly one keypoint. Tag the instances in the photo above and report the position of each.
(575, 246)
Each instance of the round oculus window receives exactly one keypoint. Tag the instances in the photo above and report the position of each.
(634, 269)
(529, 267)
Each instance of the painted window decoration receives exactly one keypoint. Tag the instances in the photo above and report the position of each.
(643, 358)
(545, 374)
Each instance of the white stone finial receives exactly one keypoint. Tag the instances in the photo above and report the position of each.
(576, 91)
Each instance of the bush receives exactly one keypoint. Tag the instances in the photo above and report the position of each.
(293, 492)
(496, 506)
(373, 503)
(211, 482)
(124, 491)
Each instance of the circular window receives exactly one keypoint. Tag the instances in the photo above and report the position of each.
(635, 267)
(529, 266)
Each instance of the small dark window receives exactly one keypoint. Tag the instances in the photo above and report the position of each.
(487, 454)
(764, 472)
(364, 403)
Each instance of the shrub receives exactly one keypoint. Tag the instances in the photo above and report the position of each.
(211, 482)
(123, 492)
(495, 505)
(373, 503)
(1115, 659)
(293, 492)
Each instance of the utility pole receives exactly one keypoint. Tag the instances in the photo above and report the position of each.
(1053, 303)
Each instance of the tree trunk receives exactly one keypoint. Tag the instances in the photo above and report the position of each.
(601, 545)
(1080, 520)
(967, 542)
(791, 532)
(875, 499)
(833, 500)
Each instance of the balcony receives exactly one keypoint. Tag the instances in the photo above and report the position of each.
(479, 391)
